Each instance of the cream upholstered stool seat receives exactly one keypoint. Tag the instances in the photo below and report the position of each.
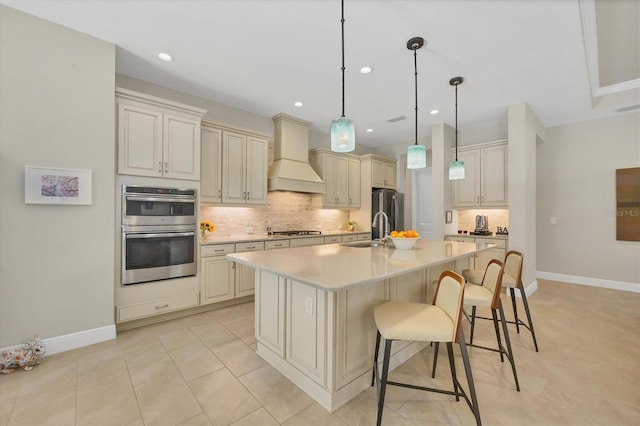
(512, 279)
(488, 295)
(418, 322)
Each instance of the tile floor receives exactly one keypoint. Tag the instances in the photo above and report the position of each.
(202, 370)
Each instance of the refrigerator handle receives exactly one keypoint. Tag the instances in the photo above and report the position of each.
(394, 213)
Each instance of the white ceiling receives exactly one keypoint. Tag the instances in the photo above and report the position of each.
(262, 55)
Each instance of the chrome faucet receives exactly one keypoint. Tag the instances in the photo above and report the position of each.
(385, 234)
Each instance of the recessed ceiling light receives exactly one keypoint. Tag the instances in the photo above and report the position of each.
(165, 57)
(434, 112)
(298, 104)
(369, 130)
(366, 70)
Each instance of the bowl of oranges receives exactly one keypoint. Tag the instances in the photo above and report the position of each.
(404, 240)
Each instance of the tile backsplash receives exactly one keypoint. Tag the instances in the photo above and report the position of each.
(284, 210)
(496, 217)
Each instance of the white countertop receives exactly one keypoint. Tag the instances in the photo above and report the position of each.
(499, 236)
(257, 237)
(335, 267)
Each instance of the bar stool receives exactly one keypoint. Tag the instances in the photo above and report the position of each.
(488, 295)
(438, 322)
(512, 280)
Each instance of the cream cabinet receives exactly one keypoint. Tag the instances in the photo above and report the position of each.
(341, 175)
(245, 275)
(244, 169)
(233, 166)
(217, 274)
(485, 183)
(383, 173)
(157, 137)
(211, 165)
(479, 260)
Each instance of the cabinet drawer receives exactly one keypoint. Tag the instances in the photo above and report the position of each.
(304, 242)
(217, 250)
(461, 239)
(500, 243)
(157, 307)
(364, 237)
(254, 246)
(349, 238)
(270, 245)
(333, 239)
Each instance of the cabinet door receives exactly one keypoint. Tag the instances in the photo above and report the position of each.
(217, 280)
(181, 148)
(355, 186)
(493, 191)
(390, 175)
(211, 165)
(139, 141)
(256, 169)
(467, 191)
(233, 164)
(329, 166)
(484, 257)
(377, 174)
(342, 181)
(245, 280)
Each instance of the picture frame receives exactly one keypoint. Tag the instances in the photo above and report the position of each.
(448, 217)
(46, 185)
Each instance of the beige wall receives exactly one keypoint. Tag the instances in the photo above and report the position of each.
(56, 110)
(576, 185)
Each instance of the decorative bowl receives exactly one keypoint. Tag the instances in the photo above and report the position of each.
(404, 243)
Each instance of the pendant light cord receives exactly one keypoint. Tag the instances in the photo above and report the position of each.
(342, 22)
(415, 66)
(456, 122)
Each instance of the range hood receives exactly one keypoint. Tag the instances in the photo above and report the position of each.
(291, 170)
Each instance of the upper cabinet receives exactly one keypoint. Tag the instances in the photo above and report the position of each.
(157, 137)
(383, 173)
(485, 183)
(234, 166)
(341, 175)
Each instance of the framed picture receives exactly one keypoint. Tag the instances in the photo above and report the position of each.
(628, 204)
(448, 218)
(44, 185)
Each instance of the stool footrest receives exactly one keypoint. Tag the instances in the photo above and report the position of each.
(444, 391)
(519, 322)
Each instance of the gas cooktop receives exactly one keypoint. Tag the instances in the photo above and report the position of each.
(296, 232)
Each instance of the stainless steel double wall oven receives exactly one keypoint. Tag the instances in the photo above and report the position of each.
(159, 231)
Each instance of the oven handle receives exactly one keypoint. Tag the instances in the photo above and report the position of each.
(152, 199)
(160, 235)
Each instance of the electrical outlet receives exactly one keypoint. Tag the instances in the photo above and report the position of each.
(308, 305)
(552, 220)
(249, 230)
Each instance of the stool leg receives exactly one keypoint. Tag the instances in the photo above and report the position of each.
(383, 382)
(515, 308)
(452, 366)
(473, 323)
(375, 359)
(495, 325)
(435, 359)
(467, 369)
(508, 342)
(526, 308)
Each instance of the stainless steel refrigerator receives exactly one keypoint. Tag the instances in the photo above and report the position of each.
(390, 202)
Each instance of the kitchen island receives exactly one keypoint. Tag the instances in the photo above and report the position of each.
(314, 308)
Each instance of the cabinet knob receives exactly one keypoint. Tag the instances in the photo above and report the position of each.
(220, 194)
(162, 306)
(166, 167)
(159, 166)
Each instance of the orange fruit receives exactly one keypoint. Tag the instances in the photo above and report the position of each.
(393, 234)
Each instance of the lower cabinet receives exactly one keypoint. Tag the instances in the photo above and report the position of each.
(480, 260)
(217, 278)
(245, 275)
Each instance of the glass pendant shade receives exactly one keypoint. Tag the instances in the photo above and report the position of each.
(343, 135)
(416, 157)
(456, 170)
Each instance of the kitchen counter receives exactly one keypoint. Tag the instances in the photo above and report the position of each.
(314, 308)
(337, 267)
(498, 236)
(249, 237)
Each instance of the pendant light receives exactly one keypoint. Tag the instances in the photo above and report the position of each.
(456, 168)
(416, 154)
(343, 133)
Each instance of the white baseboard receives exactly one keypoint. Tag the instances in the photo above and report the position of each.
(594, 282)
(67, 342)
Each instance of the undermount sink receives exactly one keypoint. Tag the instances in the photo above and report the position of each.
(364, 244)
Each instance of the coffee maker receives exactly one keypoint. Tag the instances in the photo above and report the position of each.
(482, 225)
